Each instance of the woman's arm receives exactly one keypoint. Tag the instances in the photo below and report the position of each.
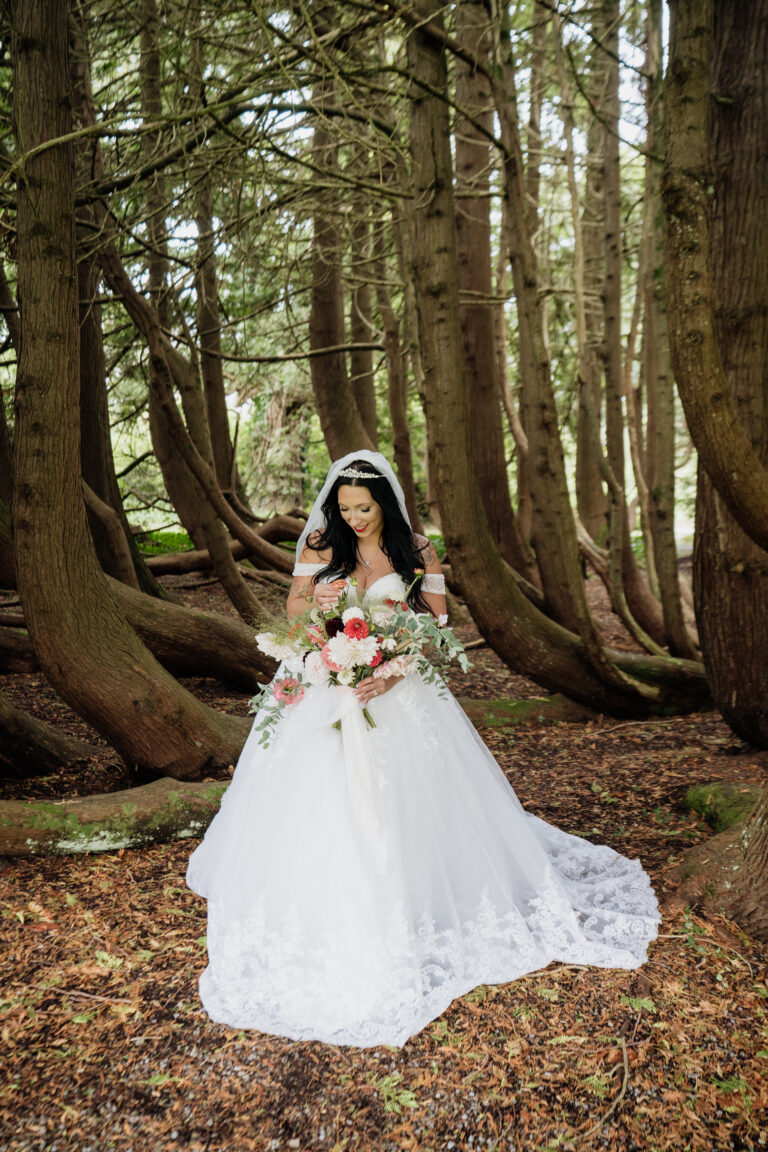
(304, 592)
(431, 566)
(300, 595)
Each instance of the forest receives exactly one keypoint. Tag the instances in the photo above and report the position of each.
(518, 246)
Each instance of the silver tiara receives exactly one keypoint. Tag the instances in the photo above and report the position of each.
(353, 472)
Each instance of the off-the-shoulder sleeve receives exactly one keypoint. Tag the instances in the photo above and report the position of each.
(307, 569)
(433, 582)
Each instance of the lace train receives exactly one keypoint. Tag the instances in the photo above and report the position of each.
(382, 989)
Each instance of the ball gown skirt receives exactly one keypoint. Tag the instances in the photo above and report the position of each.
(359, 880)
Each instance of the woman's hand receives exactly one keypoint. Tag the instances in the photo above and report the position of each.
(372, 687)
(326, 596)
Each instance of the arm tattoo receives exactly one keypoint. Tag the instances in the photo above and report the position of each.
(430, 555)
(301, 587)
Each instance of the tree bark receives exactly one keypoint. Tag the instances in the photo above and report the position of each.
(727, 441)
(717, 233)
(191, 385)
(473, 164)
(361, 326)
(88, 651)
(112, 528)
(16, 652)
(111, 532)
(397, 392)
(207, 296)
(640, 601)
(588, 264)
(337, 408)
(133, 818)
(657, 369)
(191, 642)
(186, 641)
(28, 747)
(524, 638)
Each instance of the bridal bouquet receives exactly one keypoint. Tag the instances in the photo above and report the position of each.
(347, 644)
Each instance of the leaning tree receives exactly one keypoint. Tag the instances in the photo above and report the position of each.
(716, 235)
(82, 640)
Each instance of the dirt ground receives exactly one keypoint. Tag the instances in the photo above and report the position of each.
(105, 1045)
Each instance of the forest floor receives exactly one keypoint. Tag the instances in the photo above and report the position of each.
(105, 1044)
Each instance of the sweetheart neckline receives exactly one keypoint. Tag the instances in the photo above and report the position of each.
(386, 576)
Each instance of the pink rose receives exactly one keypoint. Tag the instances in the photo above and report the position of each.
(356, 628)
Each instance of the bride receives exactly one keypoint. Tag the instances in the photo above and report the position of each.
(356, 888)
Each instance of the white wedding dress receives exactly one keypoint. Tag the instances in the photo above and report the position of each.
(360, 880)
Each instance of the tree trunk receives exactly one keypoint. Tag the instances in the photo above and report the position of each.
(16, 652)
(97, 461)
(588, 261)
(659, 382)
(181, 490)
(133, 818)
(112, 529)
(191, 642)
(28, 747)
(186, 641)
(87, 650)
(727, 440)
(554, 528)
(193, 395)
(716, 230)
(524, 638)
(727, 873)
(337, 408)
(397, 394)
(7, 558)
(473, 163)
(207, 296)
(640, 601)
(717, 234)
(7, 306)
(361, 327)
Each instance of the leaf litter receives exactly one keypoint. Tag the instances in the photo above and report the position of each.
(106, 1046)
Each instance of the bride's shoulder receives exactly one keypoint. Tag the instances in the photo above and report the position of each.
(310, 554)
(427, 553)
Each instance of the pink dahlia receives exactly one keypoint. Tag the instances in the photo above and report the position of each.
(288, 690)
(327, 658)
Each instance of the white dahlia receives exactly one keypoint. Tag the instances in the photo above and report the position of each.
(315, 670)
(270, 647)
(348, 653)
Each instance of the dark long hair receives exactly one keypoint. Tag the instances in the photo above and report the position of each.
(397, 540)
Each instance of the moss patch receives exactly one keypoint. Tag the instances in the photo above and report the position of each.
(723, 803)
(541, 709)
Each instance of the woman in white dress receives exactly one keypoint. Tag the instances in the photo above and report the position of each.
(356, 886)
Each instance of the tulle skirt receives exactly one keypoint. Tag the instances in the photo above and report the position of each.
(358, 880)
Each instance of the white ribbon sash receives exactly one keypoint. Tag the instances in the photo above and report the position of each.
(360, 769)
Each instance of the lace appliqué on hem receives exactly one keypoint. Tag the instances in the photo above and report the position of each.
(383, 989)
